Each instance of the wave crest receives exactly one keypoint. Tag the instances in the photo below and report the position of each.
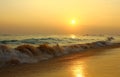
(32, 54)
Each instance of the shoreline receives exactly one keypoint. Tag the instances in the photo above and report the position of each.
(82, 54)
(27, 54)
(56, 66)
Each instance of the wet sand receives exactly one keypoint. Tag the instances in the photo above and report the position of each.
(99, 62)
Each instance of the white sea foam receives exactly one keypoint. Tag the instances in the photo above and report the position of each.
(31, 54)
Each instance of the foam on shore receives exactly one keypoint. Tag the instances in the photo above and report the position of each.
(31, 54)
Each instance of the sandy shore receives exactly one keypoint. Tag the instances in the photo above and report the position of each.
(50, 66)
(82, 54)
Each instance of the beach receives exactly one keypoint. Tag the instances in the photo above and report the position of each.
(101, 62)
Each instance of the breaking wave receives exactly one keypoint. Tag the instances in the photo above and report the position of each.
(49, 40)
(33, 54)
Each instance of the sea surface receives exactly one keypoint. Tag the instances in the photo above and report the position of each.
(15, 40)
(59, 56)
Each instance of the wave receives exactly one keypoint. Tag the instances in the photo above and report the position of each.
(49, 40)
(31, 54)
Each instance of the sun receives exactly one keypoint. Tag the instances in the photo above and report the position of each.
(73, 22)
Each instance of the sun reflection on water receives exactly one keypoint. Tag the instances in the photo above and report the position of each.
(78, 69)
(72, 36)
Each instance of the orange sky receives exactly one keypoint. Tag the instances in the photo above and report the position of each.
(55, 16)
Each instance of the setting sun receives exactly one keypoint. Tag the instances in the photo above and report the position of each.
(73, 22)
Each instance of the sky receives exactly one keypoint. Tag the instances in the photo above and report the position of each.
(56, 16)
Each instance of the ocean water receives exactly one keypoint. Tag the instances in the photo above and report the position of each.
(15, 40)
(20, 49)
(59, 56)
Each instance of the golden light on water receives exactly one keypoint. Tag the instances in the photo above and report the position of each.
(72, 36)
(78, 69)
(78, 72)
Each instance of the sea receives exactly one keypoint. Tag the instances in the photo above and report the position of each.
(37, 39)
(59, 56)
